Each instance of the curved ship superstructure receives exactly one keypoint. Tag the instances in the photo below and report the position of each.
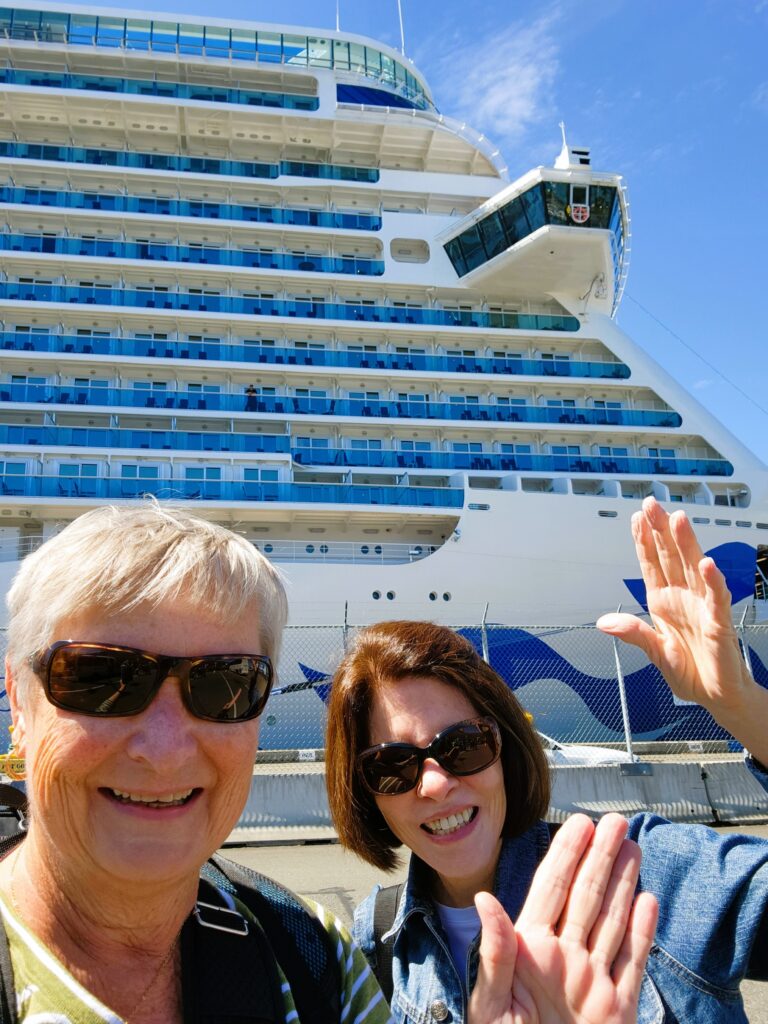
(252, 268)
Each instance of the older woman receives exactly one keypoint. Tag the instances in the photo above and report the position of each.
(140, 654)
(428, 748)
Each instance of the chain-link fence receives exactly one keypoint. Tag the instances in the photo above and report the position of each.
(581, 687)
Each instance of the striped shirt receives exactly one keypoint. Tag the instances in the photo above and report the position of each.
(46, 992)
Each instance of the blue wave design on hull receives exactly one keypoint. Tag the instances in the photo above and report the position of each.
(735, 560)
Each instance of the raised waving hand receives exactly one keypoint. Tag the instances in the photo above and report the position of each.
(578, 949)
(692, 641)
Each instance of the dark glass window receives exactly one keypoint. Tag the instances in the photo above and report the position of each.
(472, 247)
(557, 199)
(493, 235)
(515, 221)
(455, 255)
(533, 204)
(600, 205)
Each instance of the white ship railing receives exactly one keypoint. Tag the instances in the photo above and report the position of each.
(13, 549)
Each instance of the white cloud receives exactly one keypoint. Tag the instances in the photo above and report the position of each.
(504, 85)
(701, 385)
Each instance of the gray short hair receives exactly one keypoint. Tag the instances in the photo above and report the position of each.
(113, 560)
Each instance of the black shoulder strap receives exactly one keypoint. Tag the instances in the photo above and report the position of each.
(8, 1014)
(299, 942)
(229, 975)
(384, 911)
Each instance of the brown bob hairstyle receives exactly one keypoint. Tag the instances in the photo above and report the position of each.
(380, 656)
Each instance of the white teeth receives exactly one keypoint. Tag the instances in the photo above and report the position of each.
(444, 826)
(153, 801)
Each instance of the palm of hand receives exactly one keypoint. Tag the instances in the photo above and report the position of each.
(557, 981)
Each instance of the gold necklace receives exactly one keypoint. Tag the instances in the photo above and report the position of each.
(152, 981)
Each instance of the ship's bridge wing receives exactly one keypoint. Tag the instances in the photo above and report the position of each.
(561, 232)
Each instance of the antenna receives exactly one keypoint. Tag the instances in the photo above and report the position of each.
(338, 27)
(402, 33)
(561, 126)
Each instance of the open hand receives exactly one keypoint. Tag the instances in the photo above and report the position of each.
(694, 643)
(577, 952)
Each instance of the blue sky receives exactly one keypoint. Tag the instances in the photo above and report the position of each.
(671, 93)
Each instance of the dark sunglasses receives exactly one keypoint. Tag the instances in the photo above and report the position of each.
(108, 681)
(465, 748)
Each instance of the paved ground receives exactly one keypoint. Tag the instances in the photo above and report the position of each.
(326, 873)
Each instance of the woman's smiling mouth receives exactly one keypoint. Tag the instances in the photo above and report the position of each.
(158, 802)
(450, 823)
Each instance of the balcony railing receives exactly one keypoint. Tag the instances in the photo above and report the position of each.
(171, 90)
(237, 352)
(162, 398)
(261, 306)
(185, 164)
(107, 248)
(101, 489)
(209, 441)
(159, 206)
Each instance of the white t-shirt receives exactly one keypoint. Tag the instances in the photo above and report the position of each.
(461, 925)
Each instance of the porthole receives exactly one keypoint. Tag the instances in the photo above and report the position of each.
(390, 595)
(323, 549)
(310, 549)
(376, 595)
(446, 596)
(271, 720)
(365, 549)
(432, 595)
(377, 549)
(268, 549)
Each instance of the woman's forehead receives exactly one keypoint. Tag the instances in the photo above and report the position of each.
(414, 709)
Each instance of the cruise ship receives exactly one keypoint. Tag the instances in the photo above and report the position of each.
(252, 268)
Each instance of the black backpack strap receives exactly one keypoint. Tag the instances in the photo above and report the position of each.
(299, 942)
(8, 1013)
(229, 974)
(384, 911)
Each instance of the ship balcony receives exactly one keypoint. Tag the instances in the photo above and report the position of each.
(36, 151)
(107, 248)
(160, 206)
(216, 302)
(115, 488)
(540, 241)
(170, 441)
(41, 79)
(213, 401)
(229, 352)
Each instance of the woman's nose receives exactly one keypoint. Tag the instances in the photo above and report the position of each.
(435, 781)
(164, 730)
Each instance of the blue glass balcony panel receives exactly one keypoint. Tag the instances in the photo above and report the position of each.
(163, 207)
(107, 248)
(217, 351)
(289, 404)
(137, 87)
(257, 306)
(218, 42)
(181, 440)
(187, 164)
(219, 490)
(543, 203)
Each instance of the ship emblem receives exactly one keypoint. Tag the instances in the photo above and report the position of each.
(579, 213)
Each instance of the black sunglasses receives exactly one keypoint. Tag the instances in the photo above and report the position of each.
(107, 681)
(465, 748)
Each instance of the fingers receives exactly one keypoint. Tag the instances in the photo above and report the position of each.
(492, 994)
(610, 926)
(600, 888)
(688, 548)
(717, 594)
(667, 552)
(630, 963)
(633, 631)
(552, 881)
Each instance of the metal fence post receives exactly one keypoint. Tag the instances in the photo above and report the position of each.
(744, 645)
(345, 627)
(484, 636)
(623, 696)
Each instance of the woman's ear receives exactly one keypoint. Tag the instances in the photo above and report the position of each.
(17, 714)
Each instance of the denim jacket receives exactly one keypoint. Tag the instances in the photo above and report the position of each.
(712, 933)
